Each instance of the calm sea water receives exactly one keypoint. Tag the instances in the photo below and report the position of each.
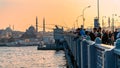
(30, 57)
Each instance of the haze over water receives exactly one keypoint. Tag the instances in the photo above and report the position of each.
(30, 57)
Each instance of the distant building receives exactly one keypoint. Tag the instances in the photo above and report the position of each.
(17, 34)
(30, 33)
(7, 33)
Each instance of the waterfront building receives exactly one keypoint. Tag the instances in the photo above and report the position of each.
(7, 33)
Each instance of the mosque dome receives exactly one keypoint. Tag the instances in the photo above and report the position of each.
(31, 28)
(8, 29)
(30, 33)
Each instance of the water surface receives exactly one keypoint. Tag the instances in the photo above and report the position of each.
(30, 57)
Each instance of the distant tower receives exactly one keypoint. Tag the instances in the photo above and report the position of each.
(36, 24)
(43, 25)
(108, 21)
(9, 26)
(13, 27)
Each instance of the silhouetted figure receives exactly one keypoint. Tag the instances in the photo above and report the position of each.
(77, 33)
(105, 37)
(115, 34)
(118, 35)
(82, 31)
(110, 38)
(92, 36)
(99, 34)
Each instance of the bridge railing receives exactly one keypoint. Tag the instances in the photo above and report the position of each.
(88, 54)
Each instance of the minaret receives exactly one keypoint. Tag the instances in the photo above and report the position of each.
(36, 24)
(43, 25)
(13, 27)
(109, 22)
(9, 26)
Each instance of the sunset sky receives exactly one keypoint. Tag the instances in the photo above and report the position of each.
(22, 13)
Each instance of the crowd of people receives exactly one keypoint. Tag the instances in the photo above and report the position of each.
(107, 37)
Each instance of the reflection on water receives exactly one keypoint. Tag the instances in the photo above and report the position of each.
(30, 57)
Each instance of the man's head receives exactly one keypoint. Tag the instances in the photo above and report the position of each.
(82, 26)
(94, 29)
(116, 30)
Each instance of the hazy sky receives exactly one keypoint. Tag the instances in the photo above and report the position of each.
(22, 13)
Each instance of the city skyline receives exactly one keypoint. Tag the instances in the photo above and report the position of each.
(22, 13)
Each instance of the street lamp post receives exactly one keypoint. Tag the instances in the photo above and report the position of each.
(77, 19)
(113, 21)
(83, 14)
(98, 9)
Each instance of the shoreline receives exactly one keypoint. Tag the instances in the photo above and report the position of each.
(16, 45)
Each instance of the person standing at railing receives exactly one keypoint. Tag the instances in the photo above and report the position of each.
(115, 34)
(77, 33)
(118, 35)
(99, 33)
(105, 37)
(82, 31)
(112, 39)
(93, 34)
